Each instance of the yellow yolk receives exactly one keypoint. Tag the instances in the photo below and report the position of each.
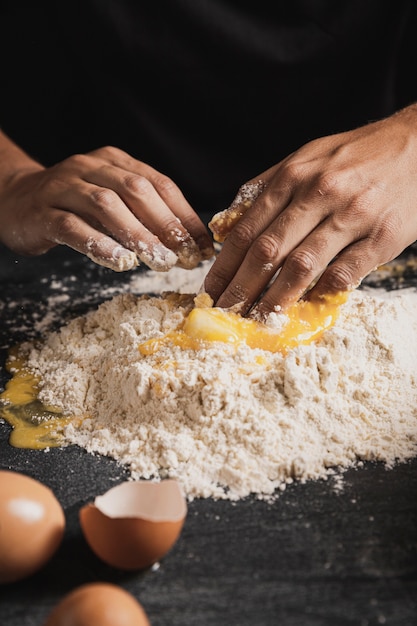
(34, 425)
(37, 426)
(303, 323)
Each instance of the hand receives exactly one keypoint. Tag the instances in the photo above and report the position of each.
(329, 214)
(105, 204)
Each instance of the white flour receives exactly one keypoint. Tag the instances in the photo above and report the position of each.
(228, 423)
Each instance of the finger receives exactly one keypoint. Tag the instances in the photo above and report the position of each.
(187, 217)
(304, 266)
(105, 211)
(233, 255)
(223, 222)
(349, 268)
(144, 203)
(157, 201)
(67, 228)
(267, 253)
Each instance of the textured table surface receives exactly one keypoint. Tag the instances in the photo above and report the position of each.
(318, 556)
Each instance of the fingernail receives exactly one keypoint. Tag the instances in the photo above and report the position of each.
(125, 259)
(157, 256)
(222, 223)
(115, 257)
(189, 254)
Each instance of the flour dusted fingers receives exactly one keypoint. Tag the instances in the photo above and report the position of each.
(223, 222)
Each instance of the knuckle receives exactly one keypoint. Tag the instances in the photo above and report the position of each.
(355, 215)
(293, 171)
(388, 230)
(77, 162)
(302, 262)
(356, 211)
(64, 225)
(237, 293)
(51, 186)
(329, 183)
(110, 153)
(265, 248)
(137, 184)
(218, 278)
(361, 207)
(165, 184)
(103, 199)
(241, 236)
(215, 282)
(340, 277)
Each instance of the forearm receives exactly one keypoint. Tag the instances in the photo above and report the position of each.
(13, 160)
(14, 164)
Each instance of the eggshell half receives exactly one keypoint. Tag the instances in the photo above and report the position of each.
(32, 524)
(134, 524)
(98, 604)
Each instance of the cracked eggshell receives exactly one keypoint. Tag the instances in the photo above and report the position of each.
(32, 525)
(133, 525)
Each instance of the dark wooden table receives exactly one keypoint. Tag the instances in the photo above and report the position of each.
(316, 557)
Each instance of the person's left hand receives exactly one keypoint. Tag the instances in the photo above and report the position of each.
(329, 214)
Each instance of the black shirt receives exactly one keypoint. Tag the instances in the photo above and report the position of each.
(210, 92)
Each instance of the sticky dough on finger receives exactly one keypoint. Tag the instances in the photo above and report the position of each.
(223, 222)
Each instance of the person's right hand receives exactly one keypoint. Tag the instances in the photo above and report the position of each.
(105, 204)
(320, 220)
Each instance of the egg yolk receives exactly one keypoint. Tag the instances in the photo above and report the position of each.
(36, 426)
(303, 323)
(33, 425)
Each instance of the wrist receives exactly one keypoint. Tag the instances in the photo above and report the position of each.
(14, 162)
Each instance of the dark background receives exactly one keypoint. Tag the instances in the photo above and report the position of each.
(318, 556)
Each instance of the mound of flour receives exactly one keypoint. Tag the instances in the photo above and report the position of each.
(231, 422)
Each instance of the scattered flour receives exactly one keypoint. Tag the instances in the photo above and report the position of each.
(225, 421)
(177, 279)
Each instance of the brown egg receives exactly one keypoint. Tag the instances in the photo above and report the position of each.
(32, 525)
(98, 604)
(134, 524)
